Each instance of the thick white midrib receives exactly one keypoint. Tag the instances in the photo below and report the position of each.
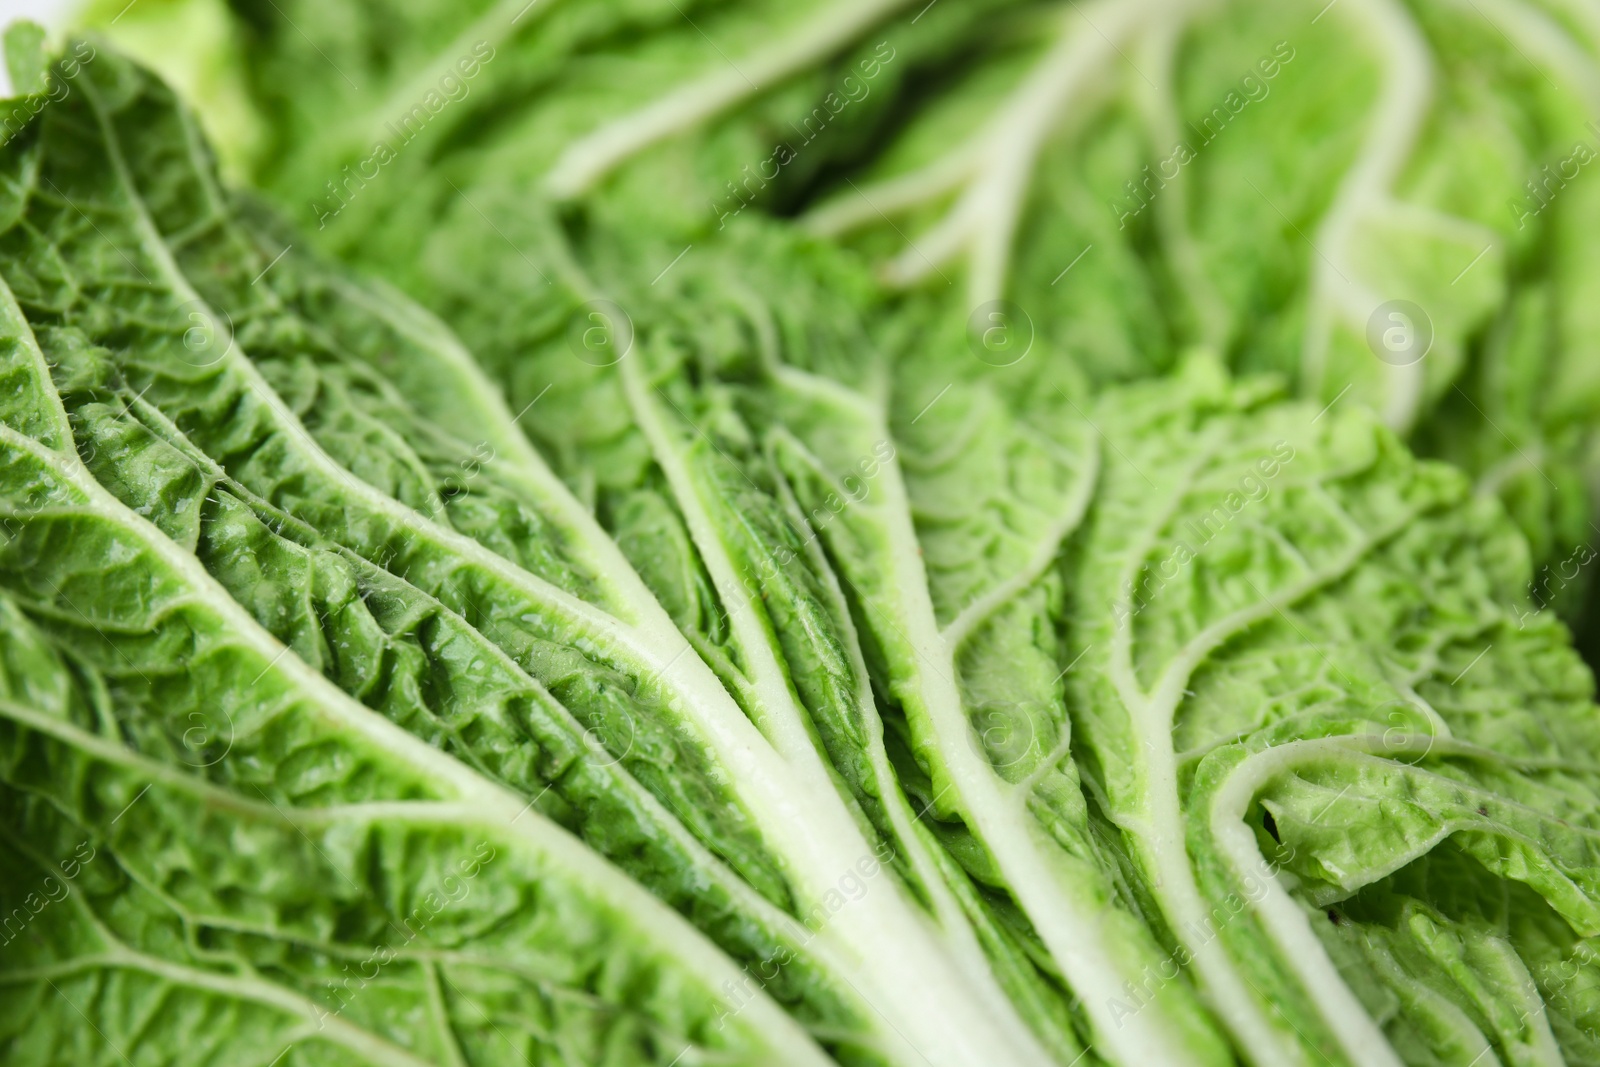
(984, 219)
(1285, 920)
(788, 806)
(1162, 841)
(783, 722)
(1161, 836)
(797, 819)
(492, 805)
(998, 196)
(1044, 554)
(947, 910)
(889, 946)
(1157, 824)
(1157, 827)
(1406, 387)
(793, 813)
(742, 892)
(588, 159)
(949, 915)
(874, 415)
(607, 565)
(978, 611)
(955, 933)
(1397, 121)
(784, 806)
(1075, 939)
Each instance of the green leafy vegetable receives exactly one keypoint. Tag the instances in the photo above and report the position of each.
(215, 454)
(201, 830)
(1263, 180)
(956, 534)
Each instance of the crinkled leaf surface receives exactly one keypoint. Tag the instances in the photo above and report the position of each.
(213, 388)
(213, 852)
(1268, 693)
